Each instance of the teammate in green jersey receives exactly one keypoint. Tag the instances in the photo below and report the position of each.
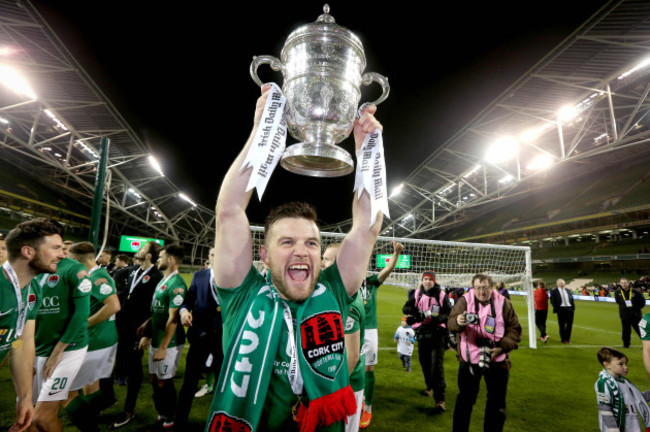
(83, 409)
(61, 339)
(33, 247)
(368, 292)
(167, 336)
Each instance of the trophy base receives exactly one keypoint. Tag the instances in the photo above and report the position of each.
(317, 160)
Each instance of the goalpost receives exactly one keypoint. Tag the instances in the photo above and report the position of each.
(454, 263)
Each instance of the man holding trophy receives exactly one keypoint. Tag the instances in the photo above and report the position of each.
(285, 363)
(283, 338)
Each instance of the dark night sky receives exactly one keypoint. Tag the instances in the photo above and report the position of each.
(178, 73)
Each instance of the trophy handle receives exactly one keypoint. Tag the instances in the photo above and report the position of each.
(275, 64)
(369, 77)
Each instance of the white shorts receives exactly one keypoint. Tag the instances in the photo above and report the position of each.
(57, 387)
(371, 346)
(354, 419)
(165, 369)
(98, 364)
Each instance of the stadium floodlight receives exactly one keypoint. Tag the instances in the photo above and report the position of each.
(472, 171)
(502, 150)
(10, 78)
(644, 63)
(540, 163)
(186, 198)
(396, 190)
(567, 113)
(154, 163)
(506, 179)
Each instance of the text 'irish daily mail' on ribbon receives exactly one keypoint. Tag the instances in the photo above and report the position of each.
(268, 143)
(371, 172)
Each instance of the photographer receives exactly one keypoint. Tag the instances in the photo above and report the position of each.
(427, 312)
(488, 330)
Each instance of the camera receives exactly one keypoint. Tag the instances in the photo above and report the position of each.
(471, 318)
(484, 356)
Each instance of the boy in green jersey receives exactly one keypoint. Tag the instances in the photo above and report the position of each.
(33, 247)
(102, 343)
(167, 336)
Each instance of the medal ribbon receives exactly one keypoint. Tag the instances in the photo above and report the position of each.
(268, 143)
(295, 378)
(134, 282)
(22, 309)
(371, 172)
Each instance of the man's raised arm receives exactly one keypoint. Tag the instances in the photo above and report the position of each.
(233, 246)
(390, 265)
(355, 250)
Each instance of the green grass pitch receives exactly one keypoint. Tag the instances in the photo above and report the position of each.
(550, 388)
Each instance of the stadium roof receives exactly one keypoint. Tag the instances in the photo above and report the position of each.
(598, 70)
(598, 75)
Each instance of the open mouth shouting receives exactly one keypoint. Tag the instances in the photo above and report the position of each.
(299, 272)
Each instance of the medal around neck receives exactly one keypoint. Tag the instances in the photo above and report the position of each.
(322, 64)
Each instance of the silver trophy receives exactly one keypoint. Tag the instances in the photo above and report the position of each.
(322, 65)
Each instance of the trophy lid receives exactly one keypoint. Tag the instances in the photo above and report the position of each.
(325, 26)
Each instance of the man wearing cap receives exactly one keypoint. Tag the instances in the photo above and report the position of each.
(428, 311)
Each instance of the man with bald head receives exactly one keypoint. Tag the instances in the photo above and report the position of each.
(564, 307)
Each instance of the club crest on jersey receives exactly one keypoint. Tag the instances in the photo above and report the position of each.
(163, 288)
(146, 279)
(85, 286)
(322, 343)
(31, 301)
(105, 289)
(53, 280)
(222, 421)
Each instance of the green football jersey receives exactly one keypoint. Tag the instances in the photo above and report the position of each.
(169, 294)
(368, 293)
(59, 293)
(354, 323)
(9, 311)
(276, 414)
(104, 334)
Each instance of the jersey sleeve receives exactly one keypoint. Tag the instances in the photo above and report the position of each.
(644, 327)
(331, 277)
(76, 277)
(103, 286)
(177, 294)
(353, 321)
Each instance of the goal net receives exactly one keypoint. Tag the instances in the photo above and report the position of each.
(454, 263)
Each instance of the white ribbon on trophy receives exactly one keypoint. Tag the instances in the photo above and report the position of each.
(268, 143)
(371, 172)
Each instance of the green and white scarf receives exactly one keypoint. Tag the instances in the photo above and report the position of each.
(320, 363)
(608, 389)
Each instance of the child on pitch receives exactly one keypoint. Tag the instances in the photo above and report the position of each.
(619, 401)
(405, 339)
